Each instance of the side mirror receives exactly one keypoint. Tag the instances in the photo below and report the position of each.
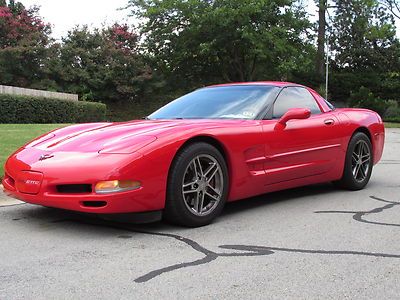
(294, 113)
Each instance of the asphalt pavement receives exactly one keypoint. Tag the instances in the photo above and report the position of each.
(314, 242)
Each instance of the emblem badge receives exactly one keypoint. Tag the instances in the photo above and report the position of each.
(34, 182)
(45, 156)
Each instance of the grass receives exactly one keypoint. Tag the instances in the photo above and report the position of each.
(392, 125)
(13, 136)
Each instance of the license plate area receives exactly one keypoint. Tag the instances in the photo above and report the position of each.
(29, 182)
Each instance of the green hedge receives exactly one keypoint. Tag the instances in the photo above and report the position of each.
(392, 120)
(25, 109)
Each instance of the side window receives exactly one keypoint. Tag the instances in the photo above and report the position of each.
(294, 97)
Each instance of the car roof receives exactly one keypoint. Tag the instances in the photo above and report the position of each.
(270, 83)
(279, 84)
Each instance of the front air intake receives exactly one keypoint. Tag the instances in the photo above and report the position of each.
(94, 203)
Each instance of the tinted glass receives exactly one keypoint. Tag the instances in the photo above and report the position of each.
(292, 97)
(330, 105)
(229, 102)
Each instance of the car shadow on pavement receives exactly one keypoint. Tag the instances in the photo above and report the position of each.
(39, 216)
(265, 200)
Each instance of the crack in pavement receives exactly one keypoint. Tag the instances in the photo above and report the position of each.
(244, 250)
(209, 256)
(359, 215)
(250, 250)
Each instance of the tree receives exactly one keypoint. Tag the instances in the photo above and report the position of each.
(366, 50)
(197, 42)
(363, 36)
(393, 6)
(24, 41)
(102, 64)
(319, 61)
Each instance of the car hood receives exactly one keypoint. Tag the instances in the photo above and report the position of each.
(126, 137)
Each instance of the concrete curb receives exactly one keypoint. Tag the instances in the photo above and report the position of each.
(7, 201)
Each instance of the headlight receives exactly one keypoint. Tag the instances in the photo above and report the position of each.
(114, 186)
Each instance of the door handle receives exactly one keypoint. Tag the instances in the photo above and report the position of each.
(329, 122)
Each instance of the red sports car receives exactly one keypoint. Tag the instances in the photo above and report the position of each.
(186, 160)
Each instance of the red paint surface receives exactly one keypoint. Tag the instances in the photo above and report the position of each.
(261, 156)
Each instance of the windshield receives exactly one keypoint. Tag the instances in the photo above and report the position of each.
(224, 102)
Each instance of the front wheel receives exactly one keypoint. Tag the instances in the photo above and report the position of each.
(358, 164)
(197, 186)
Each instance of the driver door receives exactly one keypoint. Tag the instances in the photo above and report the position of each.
(304, 147)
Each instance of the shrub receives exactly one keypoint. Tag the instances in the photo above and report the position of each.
(393, 111)
(388, 109)
(24, 109)
(393, 119)
(130, 110)
(364, 98)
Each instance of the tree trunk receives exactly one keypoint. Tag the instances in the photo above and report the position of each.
(322, 4)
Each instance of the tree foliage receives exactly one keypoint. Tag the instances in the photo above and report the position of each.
(24, 41)
(102, 64)
(196, 42)
(366, 49)
(185, 44)
(393, 6)
(363, 36)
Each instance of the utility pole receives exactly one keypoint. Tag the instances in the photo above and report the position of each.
(327, 68)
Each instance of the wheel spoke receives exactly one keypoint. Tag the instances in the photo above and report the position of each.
(362, 171)
(366, 150)
(188, 184)
(195, 201)
(212, 174)
(209, 169)
(211, 196)
(361, 149)
(365, 159)
(199, 167)
(190, 191)
(214, 190)
(195, 169)
(200, 201)
(361, 159)
(356, 170)
(202, 185)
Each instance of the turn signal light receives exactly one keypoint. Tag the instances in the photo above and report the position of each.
(113, 186)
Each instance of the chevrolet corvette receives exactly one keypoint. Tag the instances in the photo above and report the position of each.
(186, 160)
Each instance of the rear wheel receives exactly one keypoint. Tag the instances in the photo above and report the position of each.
(197, 186)
(358, 164)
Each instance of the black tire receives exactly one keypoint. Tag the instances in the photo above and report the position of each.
(178, 208)
(358, 181)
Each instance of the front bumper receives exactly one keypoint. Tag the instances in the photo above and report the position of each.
(123, 202)
(36, 182)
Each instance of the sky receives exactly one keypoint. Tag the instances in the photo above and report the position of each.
(65, 14)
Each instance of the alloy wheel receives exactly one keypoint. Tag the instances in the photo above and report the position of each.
(202, 185)
(360, 161)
